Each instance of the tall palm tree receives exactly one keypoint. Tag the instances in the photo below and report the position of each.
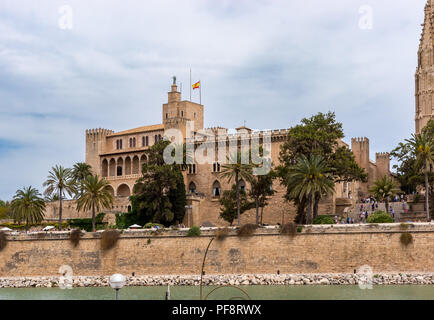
(58, 182)
(237, 170)
(383, 189)
(309, 178)
(95, 196)
(80, 171)
(423, 147)
(28, 205)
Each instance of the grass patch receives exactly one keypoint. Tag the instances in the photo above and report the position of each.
(221, 233)
(194, 231)
(74, 237)
(109, 238)
(247, 230)
(289, 229)
(3, 240)
(406, 238)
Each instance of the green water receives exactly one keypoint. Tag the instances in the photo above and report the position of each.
(425, 292)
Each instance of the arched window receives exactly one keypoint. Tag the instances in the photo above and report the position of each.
(143, 141)
(104, 168)
(112, 167)
(119, 167)
(134, 142)
(131, 142)
(136, 165)
(192, 188)
(127, 165)
(123, 191)
(216, 189)
(147, 141)
(155, 139)
(119, 171)
(160, 137)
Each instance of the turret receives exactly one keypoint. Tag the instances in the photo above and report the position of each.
(95, 141)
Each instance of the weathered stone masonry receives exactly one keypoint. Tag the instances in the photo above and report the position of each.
(318, 249)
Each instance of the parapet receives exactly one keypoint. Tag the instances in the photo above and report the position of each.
(382, 156)
(98, 133)
(360, 140)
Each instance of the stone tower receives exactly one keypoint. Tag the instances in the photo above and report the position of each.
(424, 77)
(360, 149)
(382, 160)
(95, 142)
(176, 113)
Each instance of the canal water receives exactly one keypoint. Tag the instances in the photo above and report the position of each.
(402, 292)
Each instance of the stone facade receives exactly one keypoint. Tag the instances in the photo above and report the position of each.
(424, 87)
(118, 157)
(317, 249)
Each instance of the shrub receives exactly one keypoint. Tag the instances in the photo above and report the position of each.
(323, 220)
(194, 231)
(403, 226)
(221, 233)
(109, 238)
(149, 241)
(74, 237)
(406, 238)
(247, 230)
(299, 229)
(289, 229)
(3, 240)
(379, 217)
(86, 224)
(416, 198)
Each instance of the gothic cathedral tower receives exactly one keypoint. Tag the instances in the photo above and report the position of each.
(425, 71)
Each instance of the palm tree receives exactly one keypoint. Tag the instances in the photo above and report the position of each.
(28, 205)
(237, 170)
(383, 189)
(58, 182)
(80, 171)
(261, 188)
(95, 196)
(422, 146)
(309, 178)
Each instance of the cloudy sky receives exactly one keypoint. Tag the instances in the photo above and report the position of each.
(267, 62)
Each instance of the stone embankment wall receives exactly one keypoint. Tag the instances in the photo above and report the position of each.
(317, 249)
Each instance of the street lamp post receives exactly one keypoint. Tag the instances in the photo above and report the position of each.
(117, 281)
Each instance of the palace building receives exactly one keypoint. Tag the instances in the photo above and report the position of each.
(118, 157)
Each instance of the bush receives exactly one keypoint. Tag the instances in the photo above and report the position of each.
(74, 237)
(109, 238)
(247, 230)
(194, 231)
(299, 229)
(3, 240)
(289, 229)
(153, 225)
(323, 220)
(379, 217)
(86, 223)
(406, 238)
(221, 233)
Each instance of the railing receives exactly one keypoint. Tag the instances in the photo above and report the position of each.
(128, 176)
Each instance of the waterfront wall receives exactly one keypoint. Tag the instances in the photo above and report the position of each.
(317, 249)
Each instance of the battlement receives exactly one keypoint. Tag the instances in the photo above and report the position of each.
(382, 156)
(360, 140)
(99, 132)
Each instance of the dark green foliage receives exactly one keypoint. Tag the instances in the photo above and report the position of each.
(159, 195)
(299, 229)
(74, 237)
(152, 225)
(289, 229)
(406, 238)
(5, 210)
(323, 220)
(86, 223)
(261, 189)
(109, 238)
(379, 217)
(18, 226)
(194, 231)
(319, 136)
(228, 202)
(3, 240)
(124, 220)
(247, 230)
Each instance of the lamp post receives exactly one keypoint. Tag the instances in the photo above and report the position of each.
(117, 281)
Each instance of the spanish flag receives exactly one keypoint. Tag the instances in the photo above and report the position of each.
(196, 85)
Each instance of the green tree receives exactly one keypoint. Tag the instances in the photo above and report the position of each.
(80, 171)
(261, 188)
(318, 135)
(422, 147)
(309, 179)
(383, 189)
(59, 181)
(237, 169)
(95, 196)
(5, 209)
(28, 205)
(232, 200)
(159, 195)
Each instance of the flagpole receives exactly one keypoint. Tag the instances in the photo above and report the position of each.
(190, 84)
(200, 92)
